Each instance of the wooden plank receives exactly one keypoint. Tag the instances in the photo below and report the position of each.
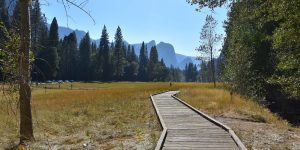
(229, 130)
(164, 132)
(185, 128)
(188, 148)
(202, 145)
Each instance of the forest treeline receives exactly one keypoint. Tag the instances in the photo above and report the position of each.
(261, 52)
(262, 48)
(68, 59)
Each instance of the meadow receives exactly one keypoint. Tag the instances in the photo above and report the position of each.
(119, 115)
(255, 125)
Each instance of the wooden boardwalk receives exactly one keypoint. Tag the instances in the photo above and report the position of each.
(187, 128)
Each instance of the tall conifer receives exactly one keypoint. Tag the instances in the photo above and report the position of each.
(84, 58)
(143, 62)
(118, 55)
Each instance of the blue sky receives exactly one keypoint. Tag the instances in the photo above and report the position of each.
(171, 21)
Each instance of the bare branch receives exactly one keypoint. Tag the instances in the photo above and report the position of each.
(82, 4)
(67, 3)
(66, 12)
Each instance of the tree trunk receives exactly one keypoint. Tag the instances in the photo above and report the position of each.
(26, 129)
(212, 66)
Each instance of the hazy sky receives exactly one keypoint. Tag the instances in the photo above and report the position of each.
(171, 21)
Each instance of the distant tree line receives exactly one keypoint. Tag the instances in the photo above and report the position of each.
(69, 59)
(115, 61)
(205, 73)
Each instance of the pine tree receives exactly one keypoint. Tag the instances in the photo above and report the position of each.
(162, 71)
(153, 64)
(39, 45)
(153, 56)
(205, 73)
(131, 69)
(128, 54)
(93, 48)
(43, 33)
(35, 17)
(84, 58)
(49, 60)
(69, 57)
(53, 34)
(118, 55)
(39, 38)
(124, 52)
(95, 74)
(105, 53)
(143, 63)
(134, 65)
(190, 72)
(175, 74)
(50, 63)
(111, 68)
(51, 55)
(133, 56)
(59, 54)
(195, 73)
(127, 69)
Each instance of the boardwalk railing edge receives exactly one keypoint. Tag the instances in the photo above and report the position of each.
(163, 134)
(226, 128)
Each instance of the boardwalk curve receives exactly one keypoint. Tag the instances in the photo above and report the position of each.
(185, 127)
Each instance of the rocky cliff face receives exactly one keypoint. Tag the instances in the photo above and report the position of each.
(167, 52)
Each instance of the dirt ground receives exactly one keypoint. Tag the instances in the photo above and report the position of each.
(263, 136)
(101, 139)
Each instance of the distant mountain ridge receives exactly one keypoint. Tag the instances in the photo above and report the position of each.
(65, 31)
(166, 51)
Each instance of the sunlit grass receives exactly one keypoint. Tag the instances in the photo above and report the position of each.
(219, 102)
(99, 112)
(105, 112)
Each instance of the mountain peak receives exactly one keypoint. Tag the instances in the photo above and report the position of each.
(166, 45)
(152, 42)
(167, 50)
(163, 43)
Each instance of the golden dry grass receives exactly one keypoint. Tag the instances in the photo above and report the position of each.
(219, 102)
(99, 112)
(256, 126)
(111, 115)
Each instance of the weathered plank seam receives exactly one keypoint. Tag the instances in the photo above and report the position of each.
(163, 135)
(226, 128)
